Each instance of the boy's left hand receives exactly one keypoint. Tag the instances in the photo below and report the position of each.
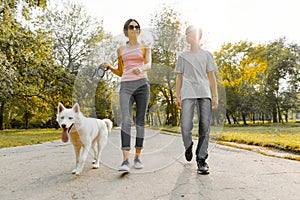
(215, 103)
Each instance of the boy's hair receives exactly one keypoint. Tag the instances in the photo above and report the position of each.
(195, 28)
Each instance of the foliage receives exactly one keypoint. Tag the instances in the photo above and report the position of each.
(34, 82)
(99, 91)
(77, 37)
(29, 66)
(283, 65)
(167, 44)
(103, 102)
(76, 34)
(252, 74)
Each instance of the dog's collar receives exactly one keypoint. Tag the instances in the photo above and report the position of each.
(70, 128)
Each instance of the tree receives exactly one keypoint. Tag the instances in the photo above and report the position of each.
(241, 71)
(76, 36)
(167, 44)
(283, 66)
(253, 76)
(27, 59)
(106, 103)
(287, 101)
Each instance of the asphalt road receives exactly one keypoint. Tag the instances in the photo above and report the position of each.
(43, 172)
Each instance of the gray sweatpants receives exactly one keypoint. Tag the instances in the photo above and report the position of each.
(139, 92)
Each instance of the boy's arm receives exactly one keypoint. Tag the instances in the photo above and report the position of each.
(178, 88)
(214, 89)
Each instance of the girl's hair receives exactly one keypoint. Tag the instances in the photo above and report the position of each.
(125, 29)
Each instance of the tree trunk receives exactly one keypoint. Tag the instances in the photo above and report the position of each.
(26, 116)
(235, 120)
(1, 114)
(159, 120)
(174, 115)
(275, 111)
(275, 120)
(279, 115)
(286, 118)
(228, 118)
(244, 120)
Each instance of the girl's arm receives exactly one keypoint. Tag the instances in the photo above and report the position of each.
(120, 69)
(147, 63)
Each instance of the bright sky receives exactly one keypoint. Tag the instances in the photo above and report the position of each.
(222, 21)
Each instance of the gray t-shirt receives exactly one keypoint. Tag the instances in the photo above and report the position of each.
(193, 67)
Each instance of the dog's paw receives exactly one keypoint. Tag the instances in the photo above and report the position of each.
(94, 161)
(73, 171)
(95, 166)
(78, 172)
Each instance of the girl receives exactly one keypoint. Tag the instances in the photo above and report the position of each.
(134, 59)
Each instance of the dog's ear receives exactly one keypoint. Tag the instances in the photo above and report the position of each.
(76, 108)
(60, 107)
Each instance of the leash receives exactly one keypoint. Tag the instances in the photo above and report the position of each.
(100, 70)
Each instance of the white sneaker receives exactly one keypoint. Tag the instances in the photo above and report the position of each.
(124, 166)
(138, 164)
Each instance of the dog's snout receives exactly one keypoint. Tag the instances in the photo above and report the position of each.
(63, 126)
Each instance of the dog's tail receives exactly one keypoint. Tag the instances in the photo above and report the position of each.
(109, 124)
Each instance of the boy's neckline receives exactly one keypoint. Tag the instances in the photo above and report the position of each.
(198, 51)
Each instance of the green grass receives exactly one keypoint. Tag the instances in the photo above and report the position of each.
(22, 137)
(284, 137)
(280, 136)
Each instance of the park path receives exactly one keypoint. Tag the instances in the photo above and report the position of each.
(42, 172)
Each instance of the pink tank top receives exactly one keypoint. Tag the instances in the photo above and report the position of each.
(132, 58)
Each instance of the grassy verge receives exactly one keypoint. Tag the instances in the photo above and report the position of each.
(21, 137)
(280, 136)
(283, 137)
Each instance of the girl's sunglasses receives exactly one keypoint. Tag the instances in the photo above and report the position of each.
(131, 27)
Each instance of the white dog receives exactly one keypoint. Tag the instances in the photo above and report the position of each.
(85, 134)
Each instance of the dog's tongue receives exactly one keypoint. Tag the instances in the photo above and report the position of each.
(64, 136)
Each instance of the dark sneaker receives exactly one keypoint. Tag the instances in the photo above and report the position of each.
(138, 164)
(189, 153)
(202, 167)
(124, 166)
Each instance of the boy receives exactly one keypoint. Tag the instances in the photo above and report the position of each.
(196, 86)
